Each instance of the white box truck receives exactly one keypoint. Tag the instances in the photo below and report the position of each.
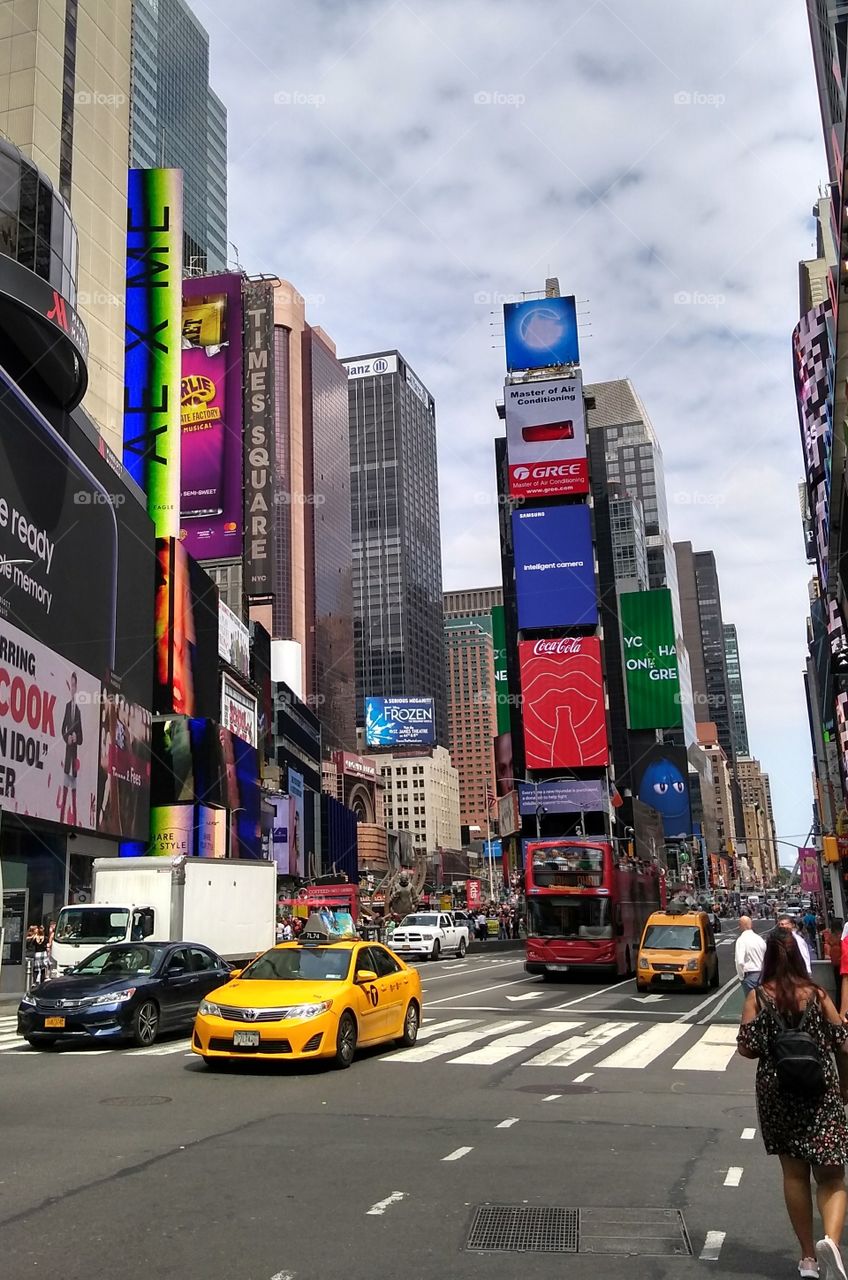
(225, 903)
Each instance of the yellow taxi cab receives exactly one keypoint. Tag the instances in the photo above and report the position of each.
(677, 950)
(319, 997)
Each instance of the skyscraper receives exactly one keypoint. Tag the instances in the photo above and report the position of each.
(738, 719)
(177, 121)
(703, 630)
(397, 561)
(472, 713)
(65, 103)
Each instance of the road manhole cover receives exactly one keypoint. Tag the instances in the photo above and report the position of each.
(511, 1228)
(136, 1100)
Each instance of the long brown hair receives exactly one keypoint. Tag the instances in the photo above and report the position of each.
(785, 971)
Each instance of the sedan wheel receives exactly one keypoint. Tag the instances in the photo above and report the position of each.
(145, 1024)
(345, 1042)
(411, 1023)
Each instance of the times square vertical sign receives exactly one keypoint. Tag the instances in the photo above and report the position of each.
(153, 343)
(259, 439)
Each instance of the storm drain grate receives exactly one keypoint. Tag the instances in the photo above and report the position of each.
(524, 1229)
(505, 1228)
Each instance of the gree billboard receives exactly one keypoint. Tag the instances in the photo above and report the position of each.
(650, 660)
(546, 437)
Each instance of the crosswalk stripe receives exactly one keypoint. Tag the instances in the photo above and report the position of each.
(157, 1051)
(569, 1051)
(712, 1052)
(452, 1043)
(642, 1051)
(436, 1028)
(506, 1046)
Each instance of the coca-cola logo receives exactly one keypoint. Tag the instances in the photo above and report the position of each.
(568, 644)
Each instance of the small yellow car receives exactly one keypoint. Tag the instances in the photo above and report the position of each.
(315, 998)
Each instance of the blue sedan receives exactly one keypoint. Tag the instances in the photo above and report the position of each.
(125, 991)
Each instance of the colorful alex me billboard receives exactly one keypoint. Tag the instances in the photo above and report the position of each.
(211, 411)
(399, 721)
(554, 567)
(546, 438)
(540, 333)
(650, 660)
(564, 714)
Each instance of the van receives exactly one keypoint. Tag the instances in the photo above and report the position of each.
(677, 951)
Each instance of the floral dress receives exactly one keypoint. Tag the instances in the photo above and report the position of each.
(811, 1129)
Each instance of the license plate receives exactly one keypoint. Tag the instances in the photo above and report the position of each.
(557, 968)
(667, 977)
(246, 1039)
(54, 1022)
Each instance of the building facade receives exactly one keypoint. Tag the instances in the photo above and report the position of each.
(760, 836)
(421, 796)
(472, 714)
(177, 121)
(476, 602)
(736, 692)
(725, 813)
(64, 101)
(397, 563)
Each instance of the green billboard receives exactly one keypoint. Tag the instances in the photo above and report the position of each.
(501, 683)
(650, 660)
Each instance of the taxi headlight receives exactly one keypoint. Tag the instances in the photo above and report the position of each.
(307, 1010)
(643, 963)
(207, 1007)
(692, 965)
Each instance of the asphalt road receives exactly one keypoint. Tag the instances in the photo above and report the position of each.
(140, 1164)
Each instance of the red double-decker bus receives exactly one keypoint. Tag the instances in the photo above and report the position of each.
(585, 908)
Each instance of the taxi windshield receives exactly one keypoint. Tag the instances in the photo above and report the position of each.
(673, 937)
(301, 964)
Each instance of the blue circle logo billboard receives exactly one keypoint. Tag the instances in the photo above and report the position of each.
(391, 722)
(541, 333)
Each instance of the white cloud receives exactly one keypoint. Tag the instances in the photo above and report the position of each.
(384, 188)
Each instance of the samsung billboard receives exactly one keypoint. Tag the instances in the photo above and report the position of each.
(554, 567)
(391, 722)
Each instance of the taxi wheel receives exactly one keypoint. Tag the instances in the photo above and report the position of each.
(641, 987)
(715, 979)
(345, 1041)
(145, 1024)
(411, 1024)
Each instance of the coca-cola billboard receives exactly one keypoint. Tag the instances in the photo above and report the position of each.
(564, 714)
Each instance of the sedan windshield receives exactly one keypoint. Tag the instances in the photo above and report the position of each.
(92, 924)
(673, 937)
(117, 962)
(419, 920)
(301, 964)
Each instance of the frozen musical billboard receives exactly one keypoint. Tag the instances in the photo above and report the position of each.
(563, 709)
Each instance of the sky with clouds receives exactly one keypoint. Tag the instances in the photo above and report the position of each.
(408, 166)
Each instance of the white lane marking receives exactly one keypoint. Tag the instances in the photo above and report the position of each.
(483, 968)
(458, 1154)
(567, 1052)
(528, 995)
(712, 1052)
(507, 1046)
(569, 1004)
(734, 1176)
(436, 1028)
(585, 1076)
(712, 1246)
(552, 1097)
(650, 999)
(507, 1124)
(377, 1210)
(723, 994)
(748, 1135)
(463, 995)
(159, 1051)
(452, 1043)
(713, 1013)
(646, 1047)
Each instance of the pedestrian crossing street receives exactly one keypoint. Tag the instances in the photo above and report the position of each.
(467, 1042)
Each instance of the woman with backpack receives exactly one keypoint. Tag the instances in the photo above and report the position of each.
(793, 1029)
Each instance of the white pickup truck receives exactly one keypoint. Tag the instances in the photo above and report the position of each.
(430, 933)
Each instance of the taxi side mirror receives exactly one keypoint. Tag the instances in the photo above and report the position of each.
(235, 973)
(366, 975)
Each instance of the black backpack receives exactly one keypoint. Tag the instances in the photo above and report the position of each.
(797, 1056)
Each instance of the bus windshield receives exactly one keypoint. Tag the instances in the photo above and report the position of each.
(569, 917)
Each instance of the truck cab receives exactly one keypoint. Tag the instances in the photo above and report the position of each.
(80, 930)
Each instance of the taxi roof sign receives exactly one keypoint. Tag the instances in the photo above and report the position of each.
(317, 931)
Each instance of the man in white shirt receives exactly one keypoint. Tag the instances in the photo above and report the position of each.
(786, 922)
(749, 954)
